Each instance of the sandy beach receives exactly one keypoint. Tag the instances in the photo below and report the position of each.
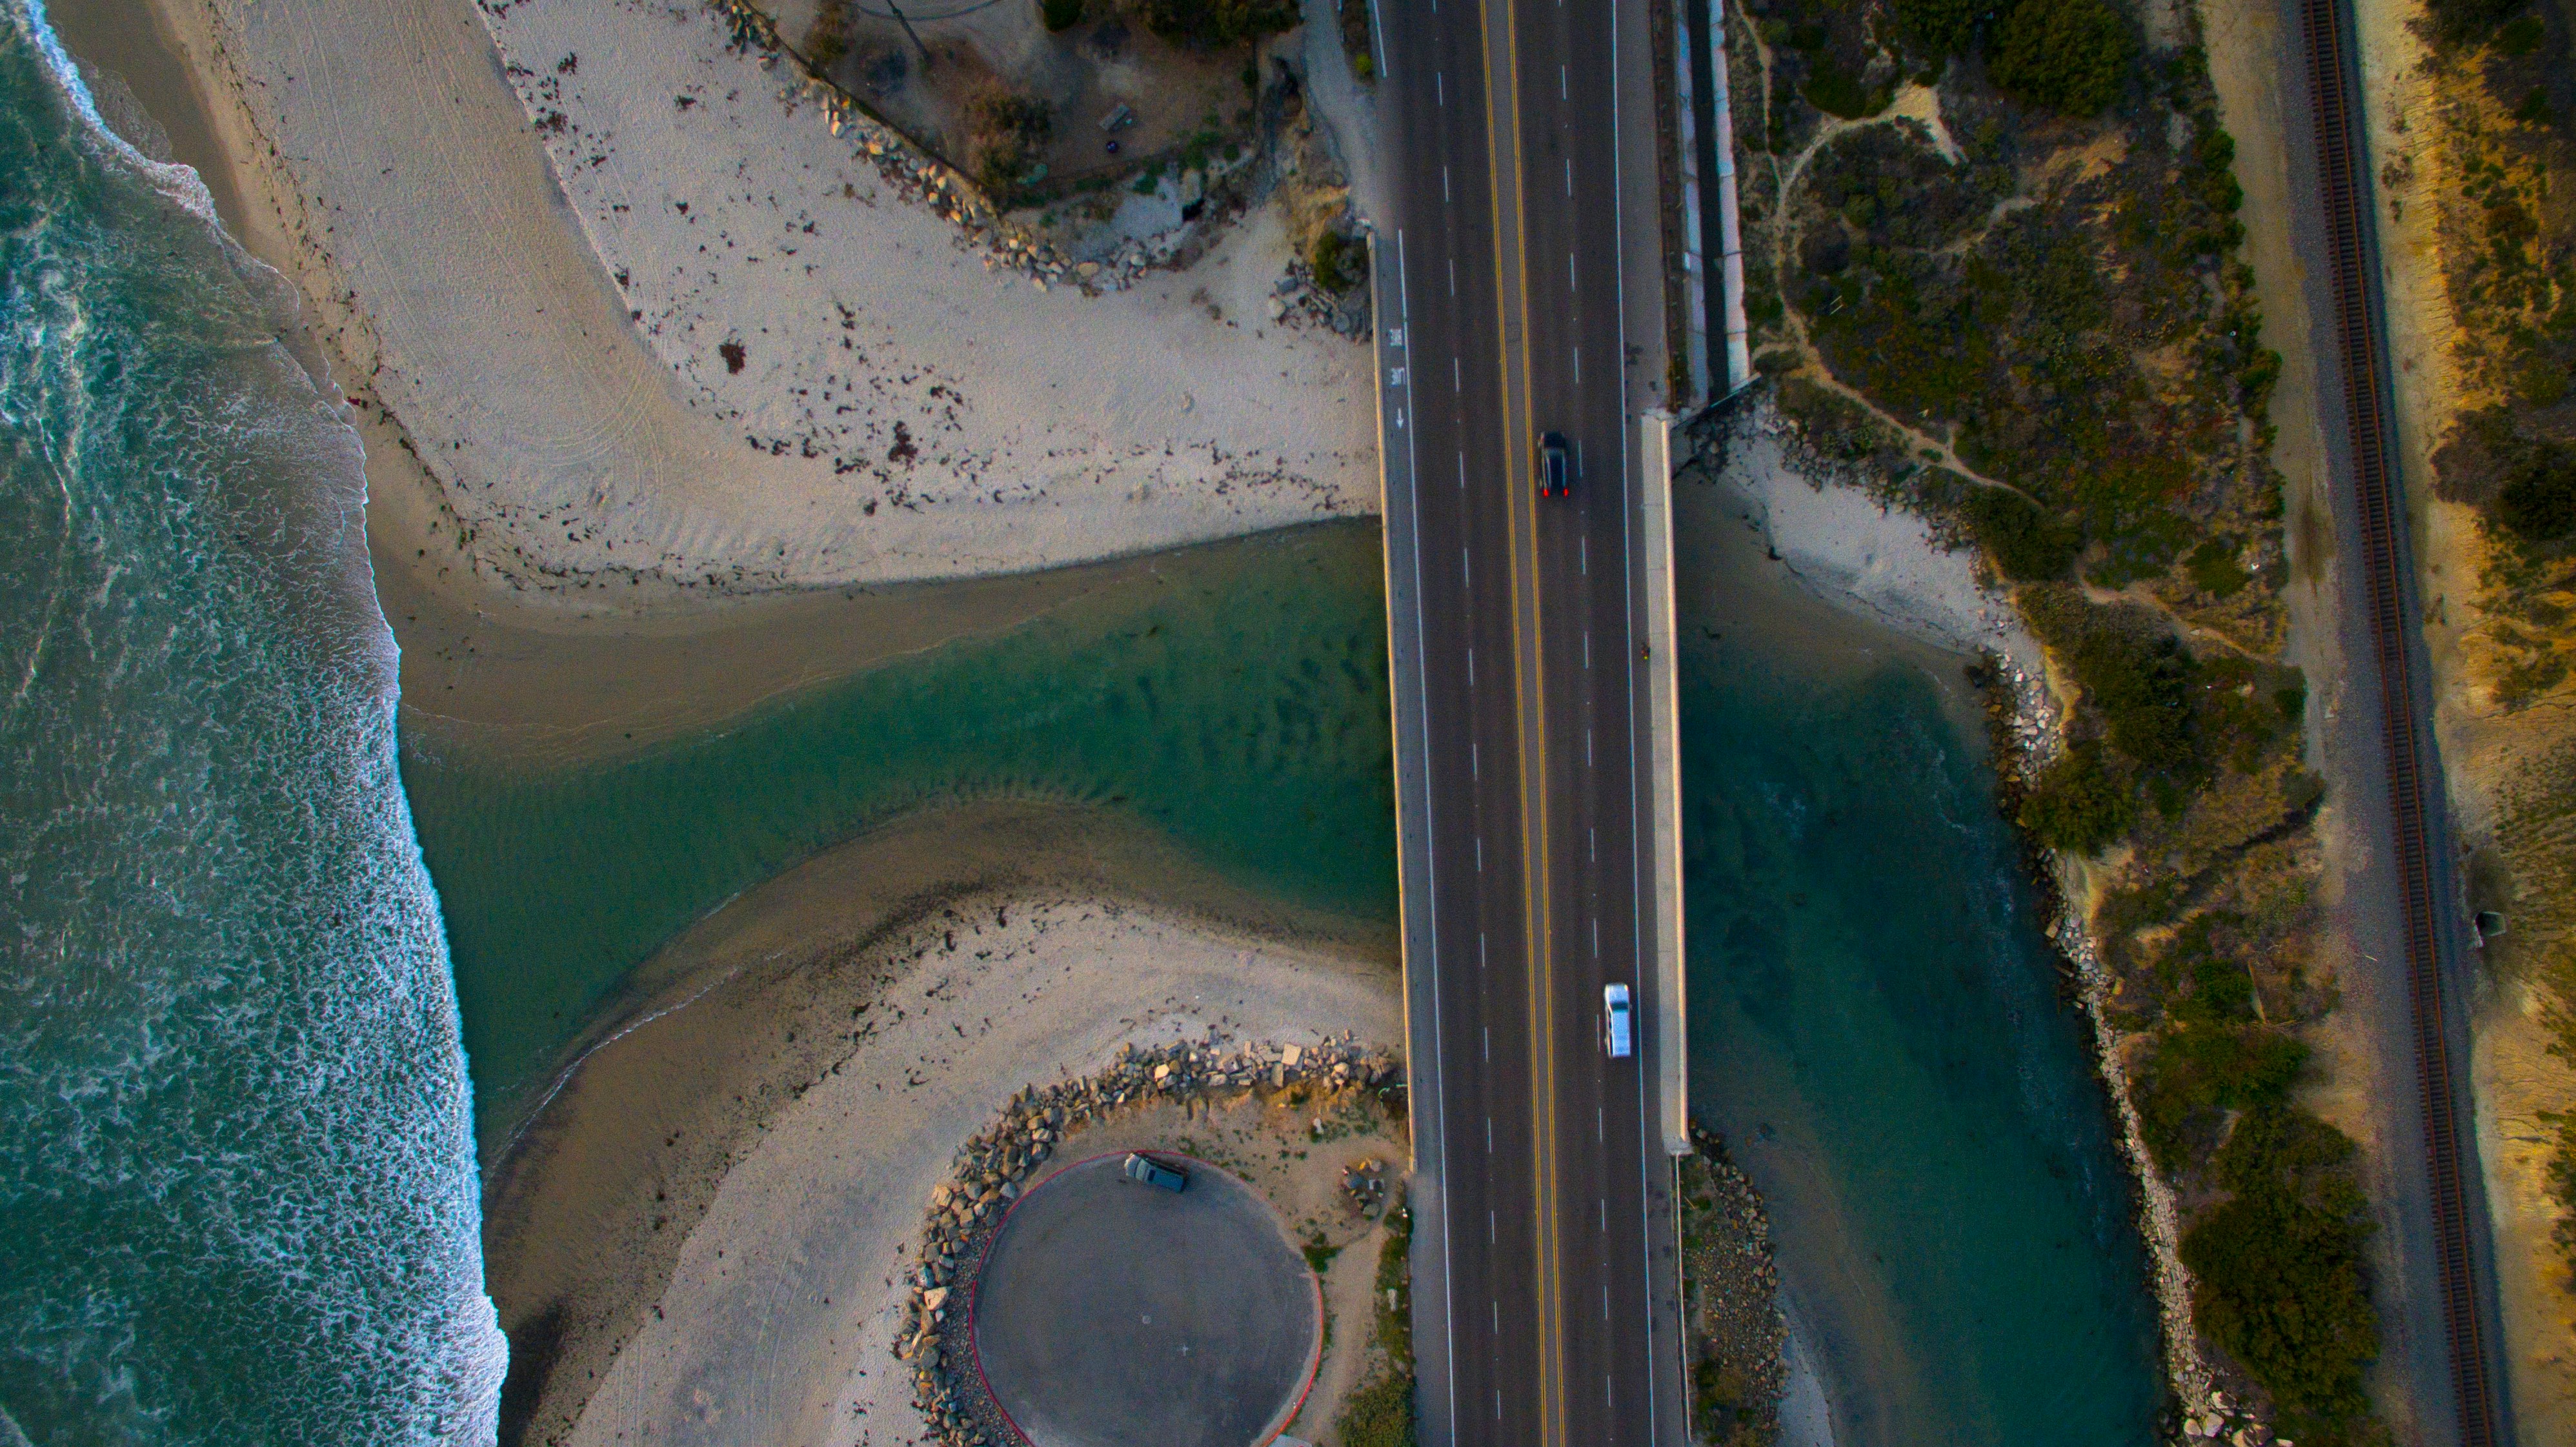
(698, 1236)
(653, 348)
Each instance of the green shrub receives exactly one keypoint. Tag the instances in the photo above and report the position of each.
(1936, 28)
(1340, 262)
(2200, 1071)
(1381, 1413)
(2540, 503)
(2027, 544)
(2142, 685)
(2063, 55)
(1395, 1284)
(2280, 1285)
(1214, 22)
(1060, 14)
(1838, 92)
(2215, 571)
(1003, 129)
(2080, 804)
(2522, 35)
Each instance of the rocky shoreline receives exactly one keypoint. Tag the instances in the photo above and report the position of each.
(991, 1168)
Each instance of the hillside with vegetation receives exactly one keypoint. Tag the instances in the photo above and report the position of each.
(1994, 275)
(2478, 183)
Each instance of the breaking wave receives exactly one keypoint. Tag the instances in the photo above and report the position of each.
(238, 1199)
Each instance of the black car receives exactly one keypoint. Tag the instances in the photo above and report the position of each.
(1555, 466)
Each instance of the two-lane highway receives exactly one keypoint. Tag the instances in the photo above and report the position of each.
(1517, 649)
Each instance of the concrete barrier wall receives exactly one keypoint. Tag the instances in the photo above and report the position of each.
(1664, 777)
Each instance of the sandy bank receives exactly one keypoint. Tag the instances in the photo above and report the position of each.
(722, 353)
(702, 1227)
(1883, 563)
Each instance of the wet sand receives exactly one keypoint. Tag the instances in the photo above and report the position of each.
(988, 926)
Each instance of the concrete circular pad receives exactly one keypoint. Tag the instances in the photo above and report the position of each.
(1110, 1313)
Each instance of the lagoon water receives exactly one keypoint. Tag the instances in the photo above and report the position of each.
(1877, 1029)
(1234, 700)
(237, 1190)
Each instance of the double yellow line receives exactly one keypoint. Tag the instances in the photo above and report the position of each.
(1520, 438)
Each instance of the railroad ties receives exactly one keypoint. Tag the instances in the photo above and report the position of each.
(2377, 497)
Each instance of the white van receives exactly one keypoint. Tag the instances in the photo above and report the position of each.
(1614, 1021)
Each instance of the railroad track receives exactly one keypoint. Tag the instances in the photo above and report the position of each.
(2378, 498)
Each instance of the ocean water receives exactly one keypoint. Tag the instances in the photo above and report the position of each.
(237, 1190)
(1236, 703)
(1876, 1027)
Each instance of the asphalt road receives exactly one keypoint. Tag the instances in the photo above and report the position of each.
(1505, 128)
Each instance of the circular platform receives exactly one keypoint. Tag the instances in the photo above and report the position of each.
(1109, 1312)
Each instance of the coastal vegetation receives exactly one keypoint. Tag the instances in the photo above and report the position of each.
(2487, 180)
(1380, 1414)
(1993, 273)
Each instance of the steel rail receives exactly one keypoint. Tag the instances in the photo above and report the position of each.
(2379, 506)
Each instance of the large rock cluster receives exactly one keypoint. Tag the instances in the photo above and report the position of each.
(993, 1166)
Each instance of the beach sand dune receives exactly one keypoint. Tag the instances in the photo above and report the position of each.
(698, 1236)
(647, 323)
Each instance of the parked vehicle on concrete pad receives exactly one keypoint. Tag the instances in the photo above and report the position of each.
(1616, 1036)
(1145, 1170)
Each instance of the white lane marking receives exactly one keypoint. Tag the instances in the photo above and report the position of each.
(1605, 1230)
(1471, 668)
(1583, 554)
(1476, 770)
(1489, 1042)
(1453, 276)
(1596, 939)
(1587, 746)
(1596, 843)
(1578, 366)
(1444, 183)
(1601, 1132)
(1480, 949)
(1440, 83)
(1569, 177)
(1490, 1235)
(1561, 92)
(1587, 648)
(1465, 573)
(1480, 839)
(1457, 376)
(1498, 1318)
(1489, 1150)
(1605, 1316)
(1569, 274)
(1462, 471)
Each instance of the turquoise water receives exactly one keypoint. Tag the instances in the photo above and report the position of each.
(1237, 703)
(1875, 1026)
(237, 1191)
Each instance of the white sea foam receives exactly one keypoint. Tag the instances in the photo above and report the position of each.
(167, 1035)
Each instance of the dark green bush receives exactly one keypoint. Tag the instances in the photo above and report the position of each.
(1214, 22)
(2215, 571)
(2068, 56)
(2468, 20)
(1381, 1413)
(2522, 35)
(1060, 14)
(2026, 543)
(1340, 262)
(2540, 503)
(2080, 804)
(2198, 1072)
(1934, 29)
(1003, 130)
(2142, 685)
(2281, 1286)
